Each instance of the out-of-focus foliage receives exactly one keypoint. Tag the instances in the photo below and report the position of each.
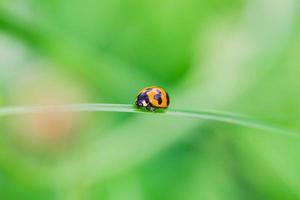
(234, 55)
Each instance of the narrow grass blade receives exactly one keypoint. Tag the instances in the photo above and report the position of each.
(127, 108)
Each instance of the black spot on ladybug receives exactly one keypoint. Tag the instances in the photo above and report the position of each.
(143, 95)
(148, 90)
(158, 98)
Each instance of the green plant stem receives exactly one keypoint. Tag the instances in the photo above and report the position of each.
(127, 108)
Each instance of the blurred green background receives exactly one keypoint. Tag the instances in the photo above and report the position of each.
(240, 56)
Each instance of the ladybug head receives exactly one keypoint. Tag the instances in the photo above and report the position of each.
(142, 100)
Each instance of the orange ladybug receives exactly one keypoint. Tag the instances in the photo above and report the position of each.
(152, 98)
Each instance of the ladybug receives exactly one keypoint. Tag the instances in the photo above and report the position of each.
(152, 98)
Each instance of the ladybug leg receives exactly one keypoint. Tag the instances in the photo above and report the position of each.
(150, 108)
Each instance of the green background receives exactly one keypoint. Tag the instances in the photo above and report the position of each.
(241, 56)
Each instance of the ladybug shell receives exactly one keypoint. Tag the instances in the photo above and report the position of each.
(153, 97)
